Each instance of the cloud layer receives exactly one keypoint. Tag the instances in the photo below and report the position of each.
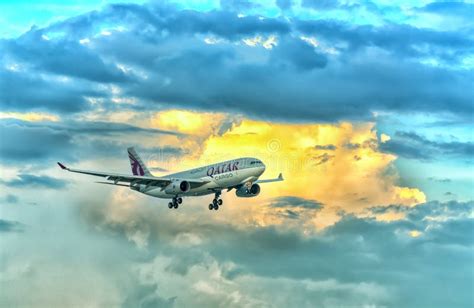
(329, 70)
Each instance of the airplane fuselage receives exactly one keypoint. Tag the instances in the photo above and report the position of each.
(241, 174)
(219, 176)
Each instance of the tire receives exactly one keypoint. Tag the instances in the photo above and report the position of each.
(176, 205)
(211, 206)
(180, 200)
(214, 202)
(216, 207)
(170, 205)
(219, 202)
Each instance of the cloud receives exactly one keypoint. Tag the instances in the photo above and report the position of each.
(230, 76)
(454, 8)
(348, 262)
(76, 140)
(9, 198)
(146, 296)
(34, 181)
(289, 201)
(10, 226)
(329, 147)
(298, 53)
(321, 4)
(20, 91)
(440, 180)
(237, 5)
(55, 56)
(37, 143)
(397, 39)
(334, 179)
(284, 4)
(413, 146)
(101, 128)
(322, 159)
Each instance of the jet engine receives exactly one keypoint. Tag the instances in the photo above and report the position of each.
(178, 187)
(245, 192)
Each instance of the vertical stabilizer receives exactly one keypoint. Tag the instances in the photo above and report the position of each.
(138, 167)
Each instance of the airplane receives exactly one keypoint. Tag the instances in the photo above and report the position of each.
(241, 174)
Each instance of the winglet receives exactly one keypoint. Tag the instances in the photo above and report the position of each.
(280, 176)
(62, 166)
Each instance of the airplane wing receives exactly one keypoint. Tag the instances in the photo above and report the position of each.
(134, 179)
(278, 179)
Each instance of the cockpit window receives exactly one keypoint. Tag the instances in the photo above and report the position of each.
(253, 162)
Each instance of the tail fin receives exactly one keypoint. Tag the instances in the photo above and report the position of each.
(138, 167)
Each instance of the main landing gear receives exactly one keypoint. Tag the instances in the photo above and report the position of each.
(175, 202)
(216, 202)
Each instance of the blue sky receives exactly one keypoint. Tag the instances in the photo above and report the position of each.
(366, 107)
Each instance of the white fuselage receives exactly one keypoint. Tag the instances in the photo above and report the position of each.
(228, 174)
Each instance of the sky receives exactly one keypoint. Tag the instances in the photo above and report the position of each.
(366, 107)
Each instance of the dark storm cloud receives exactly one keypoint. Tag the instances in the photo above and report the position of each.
(222, 23)
(412, 145)
(63, 57)
(26, 91)
(399, 40)
(159, 18)
(354, 70)
(298, 53)
(257, 89)
(10, 226)
(34, 181)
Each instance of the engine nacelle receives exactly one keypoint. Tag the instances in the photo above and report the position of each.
(245, 192)
(177, 187)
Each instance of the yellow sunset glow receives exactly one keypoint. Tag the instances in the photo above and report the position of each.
(29, 116)
(338, 165)
(415, 233)
(186, 121)
(384, 138)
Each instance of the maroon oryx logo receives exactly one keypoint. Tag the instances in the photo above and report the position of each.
(136, 167)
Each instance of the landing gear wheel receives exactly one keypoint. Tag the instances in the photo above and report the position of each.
(214, 202)
(170, 205)
(216, 207)
(180, 200)
(219, 202)
(211, 206)
(175, 205)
